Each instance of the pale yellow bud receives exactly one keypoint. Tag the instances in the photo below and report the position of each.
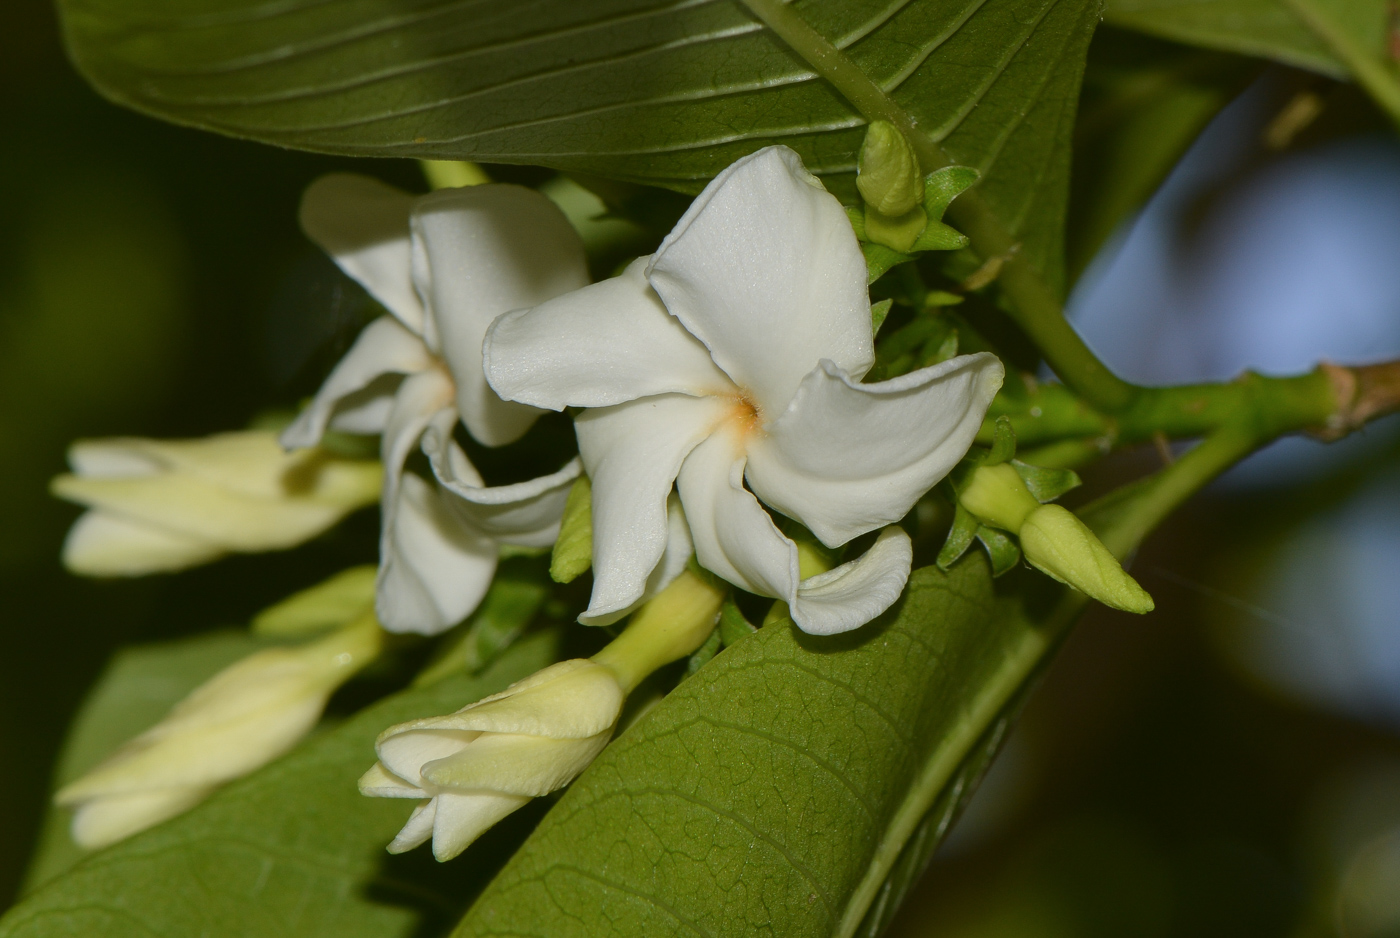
(236, 722)
(1057, 543)
(479, 764)
(163, 505)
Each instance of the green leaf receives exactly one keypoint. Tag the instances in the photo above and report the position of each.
(780, 790)
(573, 551)
(647, 90)
(1144, 103)
(330, 603)
(1341, 38)
(516, 594)
(136, 690)
(292, 850)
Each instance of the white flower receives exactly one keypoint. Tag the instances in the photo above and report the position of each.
(733, 353)
(239, 720)
(164, 505)
(445, 265)
(486, 760)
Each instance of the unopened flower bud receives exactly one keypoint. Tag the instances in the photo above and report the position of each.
(1058, 544)
(888, 172)
(476, 766)
(164, 505)
(488, 759)
(236, 722)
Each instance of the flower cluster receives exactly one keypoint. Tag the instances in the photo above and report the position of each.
(715, 385)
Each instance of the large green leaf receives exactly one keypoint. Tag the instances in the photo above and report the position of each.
(1341, 38)
(292, 849)
(794, 786)
(138, 687)
(659, 91)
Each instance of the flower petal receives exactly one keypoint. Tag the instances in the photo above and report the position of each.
(107, 820)
(403, 754)
(516, 764)
(434, 567)
(461, 819)
(479, 252)
(847, 458)
(674, 559)
(379, 782)
(526, 513)
(363, 225)
(765, 270)
(384, 348)
(102, 544)
(632, 453)
(606, 344)
(855, 592)
(734, 537)
(418, 828)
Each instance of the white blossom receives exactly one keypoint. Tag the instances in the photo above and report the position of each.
(165, 505)
(735, 354)
(444, 265)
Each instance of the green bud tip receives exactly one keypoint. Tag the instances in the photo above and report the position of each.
(1058, 544)
(998, 496)
(887, 173)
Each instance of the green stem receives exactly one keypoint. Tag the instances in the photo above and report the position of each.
(1054, 412)
(1365, 65)
(1035, 307)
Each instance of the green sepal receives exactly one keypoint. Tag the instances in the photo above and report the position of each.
(515, 596)
(947, 349)
(878, 313)
(937, 298)
(1045, 484)
(944, 185)
(1003, 442)
(879, 259)
(573, 551)
(965, 528)
(1001, 549)
(702, 655)
(733, 624)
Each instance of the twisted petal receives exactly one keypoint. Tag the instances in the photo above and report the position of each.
(606, 344)
(674, 559)
(632, 453)
(352, 394)
(107, 820)
(765, 270)
(526, 513)
(102, 544)
(847, 458)
(572, 699)
(515, 764)
(734, 537)
(462, 818)
(363, 225)
(434, 567)
(856, 592)
(480, 252)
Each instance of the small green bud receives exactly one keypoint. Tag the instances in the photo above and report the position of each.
(998, 496)
(887, 173)
(330, 603)
(898, 232)
(1058, 544)
(573, 550)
